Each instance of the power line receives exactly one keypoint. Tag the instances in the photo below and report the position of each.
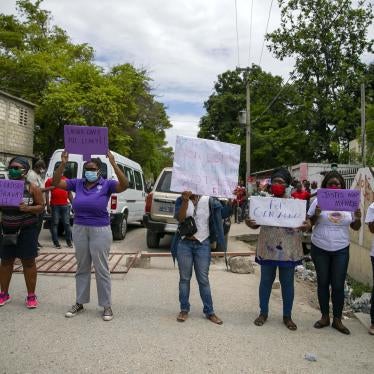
(237, 32)
(250, 35)
(267, 25)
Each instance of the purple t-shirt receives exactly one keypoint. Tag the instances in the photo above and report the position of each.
(90, 205)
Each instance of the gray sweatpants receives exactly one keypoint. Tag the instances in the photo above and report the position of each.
(92, 245)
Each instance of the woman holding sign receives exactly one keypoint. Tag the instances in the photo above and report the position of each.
(370, 221)
(92, 235)
(20, 234)
(278, 247)
(330, 253)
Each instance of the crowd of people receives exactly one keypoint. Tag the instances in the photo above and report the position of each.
(200, 224)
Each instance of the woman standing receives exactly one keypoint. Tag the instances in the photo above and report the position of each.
(330, 253)
(92, 235)
(370, 221)
(194, 250)
(278, 247)
(22, 220)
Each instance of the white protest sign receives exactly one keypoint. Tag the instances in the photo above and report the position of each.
(273, 211)
(205, 167)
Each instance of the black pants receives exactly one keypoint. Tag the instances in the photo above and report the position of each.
(331, 268)
(372, 295)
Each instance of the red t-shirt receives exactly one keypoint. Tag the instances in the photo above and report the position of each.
(58, 196)
(302, 195)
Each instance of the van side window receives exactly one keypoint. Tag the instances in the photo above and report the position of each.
(138, 180)
(130, 176)
(71, 169)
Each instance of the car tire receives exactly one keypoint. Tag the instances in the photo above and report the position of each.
(119, 230)
(153, 239)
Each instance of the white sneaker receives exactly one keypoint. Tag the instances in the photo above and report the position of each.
(74, 310)
(107, 314)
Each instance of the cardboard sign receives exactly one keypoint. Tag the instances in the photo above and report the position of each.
(11, 192)
(86, 140)
(205, 167)
(338, 200)
(274, 211)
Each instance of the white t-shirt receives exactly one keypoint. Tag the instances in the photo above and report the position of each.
(370, 218)
(331, 231)
(201, 217)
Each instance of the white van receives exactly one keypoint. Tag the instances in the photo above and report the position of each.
(125, 207)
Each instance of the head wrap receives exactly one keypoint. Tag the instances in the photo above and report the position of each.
(282, 173)
(21, 160)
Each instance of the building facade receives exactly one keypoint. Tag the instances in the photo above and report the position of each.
(16, 127)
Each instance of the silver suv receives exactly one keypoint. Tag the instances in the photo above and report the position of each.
(159, 210)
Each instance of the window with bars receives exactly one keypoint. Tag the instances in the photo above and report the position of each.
(23, 116)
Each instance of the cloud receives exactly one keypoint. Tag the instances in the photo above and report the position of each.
(184, 125)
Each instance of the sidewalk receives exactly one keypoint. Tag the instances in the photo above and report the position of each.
(144, 336)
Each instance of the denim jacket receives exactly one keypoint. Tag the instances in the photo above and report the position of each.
(218, 211)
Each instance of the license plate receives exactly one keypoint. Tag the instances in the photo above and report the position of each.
(166, 208)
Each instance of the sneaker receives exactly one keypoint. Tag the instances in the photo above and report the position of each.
(70, 244)
(31, 302)
(57, 245)
(4, 298)
(74, 310)
(107, 314)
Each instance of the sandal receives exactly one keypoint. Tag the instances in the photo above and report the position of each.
(291, 325)
(323, 322)
(338, 325)
(182, 316)
(260, 320)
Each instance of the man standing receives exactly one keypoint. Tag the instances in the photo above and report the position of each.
(59, 208)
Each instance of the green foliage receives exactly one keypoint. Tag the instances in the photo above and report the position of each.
(40, 63)
(326, 38)
(276, 137)
(358, 288)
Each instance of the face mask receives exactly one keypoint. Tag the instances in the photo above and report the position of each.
(15, 173)
(278, 190)
(91, 176)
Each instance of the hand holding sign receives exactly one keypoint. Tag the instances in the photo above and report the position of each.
(86, 140)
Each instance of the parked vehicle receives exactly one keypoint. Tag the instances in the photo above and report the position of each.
(159, 210)
(125, 207)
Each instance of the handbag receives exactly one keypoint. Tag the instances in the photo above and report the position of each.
(188, 226)
(10, 239)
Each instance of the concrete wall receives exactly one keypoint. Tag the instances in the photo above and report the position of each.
(16, 128)
(359, 263)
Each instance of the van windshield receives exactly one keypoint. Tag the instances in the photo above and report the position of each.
(164, 183)
(71, 169)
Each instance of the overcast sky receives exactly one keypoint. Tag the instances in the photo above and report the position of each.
(184, 44)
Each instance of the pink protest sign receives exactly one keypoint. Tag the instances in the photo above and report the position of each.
(338, 200)
(86, 140)
(11, 192)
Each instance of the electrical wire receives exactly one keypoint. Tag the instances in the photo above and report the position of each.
(237, 32)
(267, 26)
(250, 35)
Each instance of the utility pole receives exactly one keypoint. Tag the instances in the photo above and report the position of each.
(248, 133)
(363, 126)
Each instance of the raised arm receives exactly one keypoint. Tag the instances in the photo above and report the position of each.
(57, 175)
(123, 182)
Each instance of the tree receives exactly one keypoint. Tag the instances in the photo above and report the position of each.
(326, 38)
(276, 137)
(39, 62)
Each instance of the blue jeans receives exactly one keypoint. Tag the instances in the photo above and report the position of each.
(372, 295)
(331, 268)
(193, 253)
(286, 278)
(60, 212)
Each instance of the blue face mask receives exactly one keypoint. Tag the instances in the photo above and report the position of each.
(91, 176)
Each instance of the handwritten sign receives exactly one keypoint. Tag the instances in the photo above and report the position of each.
(273, 211)
(205, 167)
(86, 140)
(11, 192)
(338, 200)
